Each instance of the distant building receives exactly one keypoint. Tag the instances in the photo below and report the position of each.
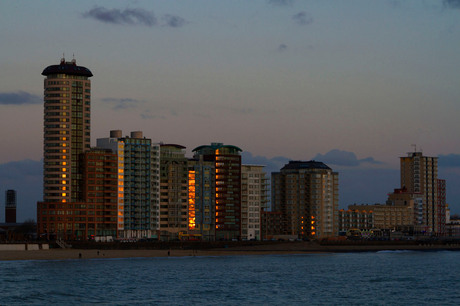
(138, 183)
(271, 223)
(389, 217)
(441, 208)
(306, 193)
(10, 206)
(254, 197)
(419, 175)
(362, 219)
(227, 161)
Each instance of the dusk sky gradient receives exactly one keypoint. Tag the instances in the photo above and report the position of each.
(351, 83)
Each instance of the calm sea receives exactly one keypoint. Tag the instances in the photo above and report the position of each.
(382, 278)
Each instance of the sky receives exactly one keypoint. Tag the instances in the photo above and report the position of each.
(355, 84)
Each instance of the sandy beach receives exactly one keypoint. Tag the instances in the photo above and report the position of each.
(276, 249)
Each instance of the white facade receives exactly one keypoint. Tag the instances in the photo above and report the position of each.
(253, 197)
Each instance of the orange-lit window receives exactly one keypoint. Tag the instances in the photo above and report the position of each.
(64, 182)
(64, 194)
(191, 200)
(64, 175)
(64, 163)
(64, 169)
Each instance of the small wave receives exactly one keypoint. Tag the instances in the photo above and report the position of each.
(396, 251)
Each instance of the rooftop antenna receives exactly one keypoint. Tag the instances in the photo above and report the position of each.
(63, 58)
(415, 147)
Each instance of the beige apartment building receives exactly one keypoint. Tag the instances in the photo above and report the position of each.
(387, 216)
(307, 195)
(419, 175)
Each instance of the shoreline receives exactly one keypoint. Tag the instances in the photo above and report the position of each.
(278, 249)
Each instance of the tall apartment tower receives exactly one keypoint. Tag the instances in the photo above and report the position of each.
(67, 105)
(227, 160)
(419, 175)
(201, 199)
(307, 195)
(10, 206)
(173, 191)
(254, 198)
(138, 183)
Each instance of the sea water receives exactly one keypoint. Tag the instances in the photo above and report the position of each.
(374, 278)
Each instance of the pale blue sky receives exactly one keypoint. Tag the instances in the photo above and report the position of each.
(276, 78)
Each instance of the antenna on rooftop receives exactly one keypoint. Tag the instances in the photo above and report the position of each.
(415, 147)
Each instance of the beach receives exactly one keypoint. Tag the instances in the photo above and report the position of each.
(268, 249)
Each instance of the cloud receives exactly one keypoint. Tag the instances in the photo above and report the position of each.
(282, 47)
(454, 4)
(18, 98)
(134, 16)
(302, 18)
(281, 2)
(122, 103)
(449, 161)
(271, 164)
(344, 158)
(173, 21)
(147, 114)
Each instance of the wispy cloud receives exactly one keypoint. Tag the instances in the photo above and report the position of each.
(122, 103)
(455, 4)
(18, 98)
(281, 2)
(282, 47)
(136, 16)
(173, 21)
(133, 16)
(344, 158)
(302, 18)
